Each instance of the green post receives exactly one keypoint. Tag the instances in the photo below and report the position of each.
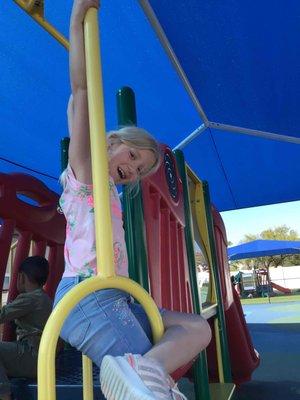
(64, 152)
(126, 107)
(220, 308)
(133, 203)
(201, 379)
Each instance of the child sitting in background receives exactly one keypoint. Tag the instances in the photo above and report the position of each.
(30, 311)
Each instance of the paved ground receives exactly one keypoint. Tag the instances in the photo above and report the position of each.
(274, 313)
(259, 390)
(275, 330)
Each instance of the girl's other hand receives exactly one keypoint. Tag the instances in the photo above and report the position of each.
(80, 8)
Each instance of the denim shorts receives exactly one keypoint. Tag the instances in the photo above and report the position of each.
(105, 322)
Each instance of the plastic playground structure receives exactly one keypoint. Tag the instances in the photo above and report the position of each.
(172, 212)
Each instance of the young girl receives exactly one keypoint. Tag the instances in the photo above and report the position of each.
(106, 325)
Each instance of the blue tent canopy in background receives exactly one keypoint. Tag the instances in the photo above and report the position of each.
(239, 125)
(262, 248)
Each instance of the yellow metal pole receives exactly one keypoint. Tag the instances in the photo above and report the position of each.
(53, 32)
(218, 351)
(202, 225)
(87, 377)
(103, 226)
(104, 236)
(203, 228)
(29, 9)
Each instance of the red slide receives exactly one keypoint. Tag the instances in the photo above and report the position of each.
(244, 358)
(280, 288)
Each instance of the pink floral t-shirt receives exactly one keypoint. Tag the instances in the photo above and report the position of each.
(77, 204)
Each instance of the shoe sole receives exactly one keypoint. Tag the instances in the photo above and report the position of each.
(119, 381)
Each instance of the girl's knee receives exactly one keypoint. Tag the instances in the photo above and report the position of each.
(206, 332)
(201, 326)
(194, 325)
(199, 332)
(198, 327)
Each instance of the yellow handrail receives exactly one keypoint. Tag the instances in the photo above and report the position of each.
(201, 220)
(103, 228)
(87, 378)
(106, 278)
(35, 9)
(46, 359)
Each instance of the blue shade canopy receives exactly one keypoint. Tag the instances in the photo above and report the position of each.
(262, 248)
(240, 61)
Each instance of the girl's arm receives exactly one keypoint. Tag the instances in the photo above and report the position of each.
(79, 149)
(70, 111)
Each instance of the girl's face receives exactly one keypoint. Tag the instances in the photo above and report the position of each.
(128, 164)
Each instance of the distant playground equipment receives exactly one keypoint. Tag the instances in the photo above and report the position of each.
(256, 282)
(263, 283)
(280, 288)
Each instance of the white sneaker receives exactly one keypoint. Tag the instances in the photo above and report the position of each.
(133, 377)
(175, 392)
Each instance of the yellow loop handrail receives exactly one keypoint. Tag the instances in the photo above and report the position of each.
(46, 359)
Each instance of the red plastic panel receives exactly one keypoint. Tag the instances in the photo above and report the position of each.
(43, 220)
(56, 262)
(6, 234)
(164, 222)
(40, 224)
(244, 359)
(22, 252)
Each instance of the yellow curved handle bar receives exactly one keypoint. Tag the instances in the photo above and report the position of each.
(46, 360)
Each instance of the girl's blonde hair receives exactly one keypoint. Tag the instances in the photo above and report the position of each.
(138, 138)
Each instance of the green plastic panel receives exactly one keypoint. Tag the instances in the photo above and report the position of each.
(221, 391)
(200, 366)
(64, 152)
(133, 204)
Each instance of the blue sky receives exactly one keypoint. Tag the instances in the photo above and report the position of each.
(256, 219)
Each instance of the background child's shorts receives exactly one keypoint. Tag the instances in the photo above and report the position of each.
(105, 322)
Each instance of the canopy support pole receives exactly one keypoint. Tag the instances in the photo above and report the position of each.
(253, 132)
(190, 137)
(171, 54)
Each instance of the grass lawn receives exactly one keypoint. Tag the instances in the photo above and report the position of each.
(275, 299)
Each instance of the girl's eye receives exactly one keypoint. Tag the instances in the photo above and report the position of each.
(132, 155)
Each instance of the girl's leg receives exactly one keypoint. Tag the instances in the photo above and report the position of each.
(147, 377)
(186, 335)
